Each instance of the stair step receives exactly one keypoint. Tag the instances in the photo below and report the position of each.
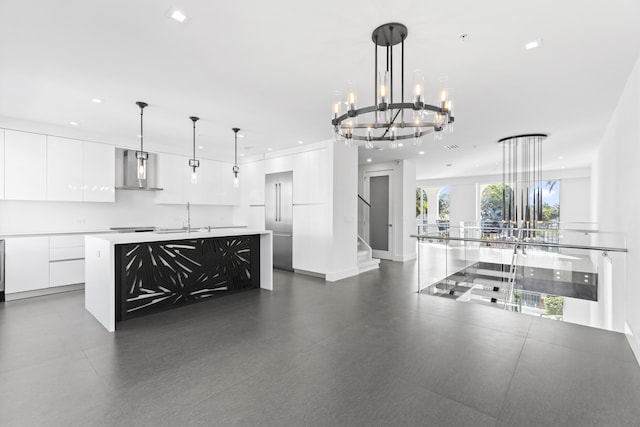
(490, 273)
(370, 264)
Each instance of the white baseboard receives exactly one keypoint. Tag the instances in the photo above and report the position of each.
(339, 275)
(404, 257)
(43, 292)
(633, 341)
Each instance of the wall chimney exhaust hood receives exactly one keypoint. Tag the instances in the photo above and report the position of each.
(127, 172)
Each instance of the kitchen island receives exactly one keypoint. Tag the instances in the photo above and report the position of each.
(128, 275)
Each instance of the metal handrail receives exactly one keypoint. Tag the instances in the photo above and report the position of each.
(520, 243)
(365, 202)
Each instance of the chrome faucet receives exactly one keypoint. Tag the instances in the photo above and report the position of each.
(188, 217)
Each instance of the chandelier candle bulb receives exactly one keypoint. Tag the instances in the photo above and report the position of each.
(418, 87)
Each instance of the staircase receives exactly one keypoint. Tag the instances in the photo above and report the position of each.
(365, 261)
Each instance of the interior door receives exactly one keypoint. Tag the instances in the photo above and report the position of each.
(378, 186)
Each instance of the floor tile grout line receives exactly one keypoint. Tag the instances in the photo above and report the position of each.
(513, 373)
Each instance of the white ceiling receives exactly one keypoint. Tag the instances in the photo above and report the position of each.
(271, 67)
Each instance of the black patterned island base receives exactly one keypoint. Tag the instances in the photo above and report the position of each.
(155, 276)
(127, 276)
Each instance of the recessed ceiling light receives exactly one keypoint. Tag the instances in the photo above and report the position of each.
(369, 160)
(178, 16)
(139, 136)
(448, 164)
(401, 145)
(97, 100)
(269, 149)
(241, 154)
(300, 142)
(532, 44)
(560, 157)
(248, 148)
(421, 153)
(200, 147)
(74, 123)
(379, 149)
(240, 136)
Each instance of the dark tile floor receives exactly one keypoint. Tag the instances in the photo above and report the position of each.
(363, 351)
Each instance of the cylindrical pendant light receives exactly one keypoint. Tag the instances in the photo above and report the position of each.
(194, 163)
(236, 169)
(142, 155)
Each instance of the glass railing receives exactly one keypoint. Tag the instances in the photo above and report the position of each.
(564, 274)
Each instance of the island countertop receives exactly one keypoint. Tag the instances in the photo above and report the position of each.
(106, 298)
(154, 236)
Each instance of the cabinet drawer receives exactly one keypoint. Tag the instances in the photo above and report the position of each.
(57, 254)
(66, 241)
(66, 272)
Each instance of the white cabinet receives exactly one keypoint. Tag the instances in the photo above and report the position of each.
(1, 164)
(64, 169)
(99, 172)
(27, 264)
(311, 176)
(214, 185)
(66, 260)
(252, 181)
(172, 177)
(25, 166)
(224, 191)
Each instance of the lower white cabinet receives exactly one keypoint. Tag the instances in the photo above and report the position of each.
(26, 264)
(35, 263)
(66, 260)
(68, 272)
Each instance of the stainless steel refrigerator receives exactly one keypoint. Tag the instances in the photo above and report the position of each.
(278, 202)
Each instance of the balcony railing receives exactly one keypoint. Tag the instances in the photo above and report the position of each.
(566, 274)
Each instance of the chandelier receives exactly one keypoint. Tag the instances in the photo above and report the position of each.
(389, 120)
(521, 180)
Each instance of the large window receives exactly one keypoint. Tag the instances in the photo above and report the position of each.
(443, 208)
(421, 205)
(493, 210)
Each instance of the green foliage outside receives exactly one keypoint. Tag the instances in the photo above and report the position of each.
(554, 305)
(491, 202)
(443, 206)
(421, 204)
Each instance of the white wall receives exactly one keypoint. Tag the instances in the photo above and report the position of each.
(132, 208)
(409, 210)
(616, 203)
(343, 249)
(463, 204)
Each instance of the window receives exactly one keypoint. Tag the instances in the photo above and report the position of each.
(421, 205)
(443, 208)
(492, 208)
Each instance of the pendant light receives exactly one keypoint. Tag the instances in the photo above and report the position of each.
(236, 169)
(194, 163)
(142, 155)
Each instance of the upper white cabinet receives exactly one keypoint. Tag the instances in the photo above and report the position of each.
(99, 172)
(214, 184)
(64, 169)
(172, 175)
(252, 180)
(25, 163)
(311, 178)
(1, 164)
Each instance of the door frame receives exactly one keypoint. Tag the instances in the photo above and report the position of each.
(390, 253)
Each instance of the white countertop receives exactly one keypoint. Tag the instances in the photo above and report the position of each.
(122, 238)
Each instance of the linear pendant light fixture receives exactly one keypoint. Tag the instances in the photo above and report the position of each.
(142, 155)
(387, 120)
(521, 180)
(194, 163)
(236, 169)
